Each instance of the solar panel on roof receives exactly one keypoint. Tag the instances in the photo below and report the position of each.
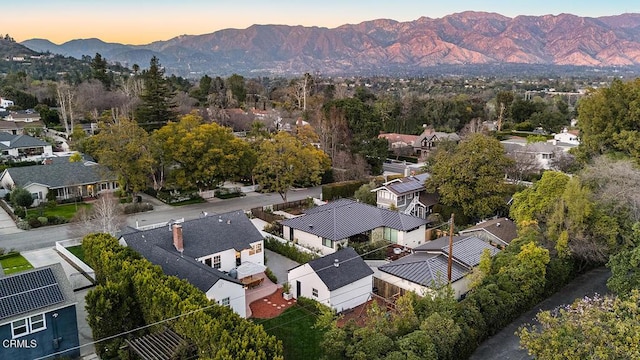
(29, 291)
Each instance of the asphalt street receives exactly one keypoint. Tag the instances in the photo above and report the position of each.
(12, 238)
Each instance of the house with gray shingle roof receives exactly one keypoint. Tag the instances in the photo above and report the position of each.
(341, 280)
(64, 178)
(215, 253)
(407, 195)
(426, 269)
(499, 231)
(38, 315)
(23, 147)
(332, 226)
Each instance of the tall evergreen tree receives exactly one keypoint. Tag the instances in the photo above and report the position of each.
(99, 70)
(156, 107)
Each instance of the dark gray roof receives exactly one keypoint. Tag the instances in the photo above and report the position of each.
(466, 249)
(21, 141)
(343, 218)
(502, 228)
(425, 269)
(203, 236)
(34, 291)
(408, 184)
(350, 268)
(61, 174)
(196, 273)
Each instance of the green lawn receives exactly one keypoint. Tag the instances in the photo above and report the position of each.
(66, 211)
(78, 251)
(294, 327)
(14, 263)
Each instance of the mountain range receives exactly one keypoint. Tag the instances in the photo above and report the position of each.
(383, 46)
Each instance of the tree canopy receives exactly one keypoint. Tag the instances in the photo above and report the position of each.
(471, 178)
(156, 106)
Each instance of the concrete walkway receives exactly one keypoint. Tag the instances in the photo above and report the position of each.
(48, 256)
(7, 226)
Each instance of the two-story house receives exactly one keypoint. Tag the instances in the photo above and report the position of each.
(215, 253)
(407, 195)
(331, 227)
(38, 315)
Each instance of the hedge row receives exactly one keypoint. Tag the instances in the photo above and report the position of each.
(344, 189)
(288, 250)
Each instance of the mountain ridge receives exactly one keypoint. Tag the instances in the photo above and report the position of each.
(385, 45)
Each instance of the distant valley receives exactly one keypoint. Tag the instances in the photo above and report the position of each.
(383, 47)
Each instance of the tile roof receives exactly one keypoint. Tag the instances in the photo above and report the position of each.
(203, 236)
(350, 268)
(425, 269)
(343, 218)
(466, 249)
(32, 291)
(502, 228)
(60, 174)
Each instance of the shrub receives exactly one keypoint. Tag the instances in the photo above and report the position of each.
(23, 225)
(345, 189)
(271, 276)
(20, 212)
(274, 228)
(56, 220)
(137, 207)
(43, 220)
(288, 250)
(371, 250)
(312, 305)
(34, 222)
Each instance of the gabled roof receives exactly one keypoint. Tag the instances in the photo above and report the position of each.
(425, 269)
(395, 137)
(406, 185)
(22, 141)
(466, 249)
(61, 174)
(351, 268)
(203, 236)
(502, 228)
(37, 290)
(343, 218)
(173, 264)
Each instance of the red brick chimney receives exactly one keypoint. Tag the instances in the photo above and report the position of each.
(178, 242)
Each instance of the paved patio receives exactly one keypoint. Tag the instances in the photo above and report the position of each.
(265, 289)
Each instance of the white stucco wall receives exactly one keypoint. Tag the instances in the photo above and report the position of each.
(39, 189)
(257, 258)
(352, 295)
(227, 259)
(235, 292)
(413, 238)
(459, 287)
(309, 280)
(310, 241)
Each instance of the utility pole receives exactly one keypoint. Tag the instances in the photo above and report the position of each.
(449, 265)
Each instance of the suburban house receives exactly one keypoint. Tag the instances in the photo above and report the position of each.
(5, 103)
(341, 280)
(332, 226)
(498, 232)
(65, 179)
(568, 137)
(218, 254)
(27, 116)
(38, 315)
(407, 195)
(421, 144)
(542, 154)
(23, 147)
(426, 269)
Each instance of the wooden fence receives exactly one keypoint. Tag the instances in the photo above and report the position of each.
(387, 290)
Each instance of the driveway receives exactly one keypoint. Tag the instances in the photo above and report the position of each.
(7, 226)
(506, 345)
(279, 265)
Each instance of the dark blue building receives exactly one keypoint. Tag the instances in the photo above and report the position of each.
(38, 315)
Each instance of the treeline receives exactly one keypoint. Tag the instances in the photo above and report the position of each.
(133, 293)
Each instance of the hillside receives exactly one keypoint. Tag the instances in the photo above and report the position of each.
(386, 46)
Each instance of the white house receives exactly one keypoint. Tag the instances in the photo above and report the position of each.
(426, 269)
(341, 280)
(407, 195)
(542, 153)
(24, 147)
(5, 103)
(67, 180)
(215, 253)
(330, 227)
(568, 137)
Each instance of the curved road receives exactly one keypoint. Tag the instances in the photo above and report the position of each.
(505, 345)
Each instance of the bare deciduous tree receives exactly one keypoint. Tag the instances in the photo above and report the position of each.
(66, 100)
(105, 216)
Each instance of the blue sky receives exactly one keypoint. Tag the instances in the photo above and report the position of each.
(143, 21)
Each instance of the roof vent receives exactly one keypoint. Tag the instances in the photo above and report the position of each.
(336, 263)
(498, 224)
(228, 221)
(219, 219)
(311, 226)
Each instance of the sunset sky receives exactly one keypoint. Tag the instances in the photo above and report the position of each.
(142, 21)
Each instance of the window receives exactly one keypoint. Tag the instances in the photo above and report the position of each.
(28, 325)
(225, 302)
(314, 292)
(255, 249)
(217, 262)
(327, 242)
(391, 235)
